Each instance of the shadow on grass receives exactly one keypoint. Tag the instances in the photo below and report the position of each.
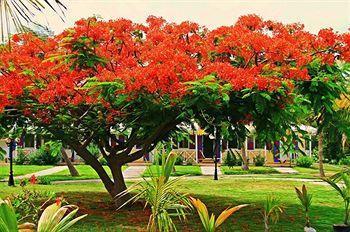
(104, 217)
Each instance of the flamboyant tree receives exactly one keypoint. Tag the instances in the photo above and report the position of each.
(123, 85)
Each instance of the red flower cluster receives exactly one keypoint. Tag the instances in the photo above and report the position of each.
(158, 58)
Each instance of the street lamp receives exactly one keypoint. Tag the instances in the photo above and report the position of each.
(11, 143)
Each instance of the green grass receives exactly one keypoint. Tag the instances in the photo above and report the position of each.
(85, 173)
(180, 170)
(314, 172)
(327, 207)
(252, 170)
(19, 170)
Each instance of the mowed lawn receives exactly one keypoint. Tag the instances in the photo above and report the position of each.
(19, 170)
(179, 170)
(85, 173)
(92, 199)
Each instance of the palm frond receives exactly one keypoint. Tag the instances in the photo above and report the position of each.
(15, 14)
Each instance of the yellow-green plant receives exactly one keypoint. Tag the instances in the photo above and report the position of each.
(272, 210)
(305, 200)
(8, 221)
(209, 223)
(56, 219)
(343, 190)
(159, 192)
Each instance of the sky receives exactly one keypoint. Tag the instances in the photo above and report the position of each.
(313, 14)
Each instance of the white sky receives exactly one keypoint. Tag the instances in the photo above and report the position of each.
(314, 14)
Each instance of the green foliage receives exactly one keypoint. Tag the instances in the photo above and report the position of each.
(232, 160)
(160, 193)
(21, 158)
(304, 161)
(345, 161)
(343, 190)
(44, 180)
(190, 162)
(28, 204)
(305, 200)
(2, 154)
(8, 221)
(179, 160)
(48, 154)
(259, 160)
(272, 210)
(94, 150)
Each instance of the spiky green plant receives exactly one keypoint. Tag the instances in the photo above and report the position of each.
(272, 210)
(343, 190)
(305, 200)
(208, 221)
(159, 192)
(8, 221)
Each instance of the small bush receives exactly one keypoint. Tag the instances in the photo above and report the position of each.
(259, 160)
(44, 180)
(44, 156)
(179, 160)
(232, 159)
(21, 157)
(345, 161)
(103, 161)
(304, 161)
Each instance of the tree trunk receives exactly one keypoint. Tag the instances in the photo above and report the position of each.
(73, 171)
(120, 194)
(320, 154)
(245, 164)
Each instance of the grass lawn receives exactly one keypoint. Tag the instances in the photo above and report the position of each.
(252, 170)
(85, 171)
(314, 172)
(19, 170)
(180, 170)
(327, 207)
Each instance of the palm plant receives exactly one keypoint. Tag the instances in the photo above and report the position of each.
(272, 211)
(15, 13)
(305, 200)
(55, 218)
(160, 194)
(343, 190)
(209, 223)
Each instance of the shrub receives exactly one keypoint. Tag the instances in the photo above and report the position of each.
(44, 156)
(179, 160)
(44, 180)
(190, 162)
(232, 159)
(304, 161)
(103, 161)
(21, 158)
(345, 161)
(259, 160)
(28, 204)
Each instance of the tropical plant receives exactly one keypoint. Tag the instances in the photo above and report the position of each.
(56, 219)
(231, 159)
(272, 210)
(8, 221)
(343, 190)
(304, 161)
(21, 157)
(209, 223)
(14, 14)
(259, 160)
(161, 195)
(305, 200)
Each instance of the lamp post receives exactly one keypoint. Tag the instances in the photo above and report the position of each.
(217, 151)
(12, 146)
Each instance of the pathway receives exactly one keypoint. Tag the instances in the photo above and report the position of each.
(209, 170)
(134, 171)
(45, 172)
(286, 170)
